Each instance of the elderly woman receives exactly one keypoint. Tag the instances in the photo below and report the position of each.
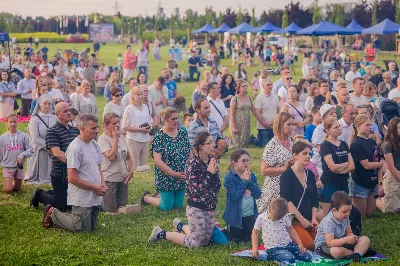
(296, 109)
(170, 151)
(386, 85)
(114, 81)
(138, 123)
(116, 164)
(41, 90)
(275, 159)
(85, 103)
(89, 74)
(129, 63)
(368, 73)
(7, 94)
(40, 163)
(334, 76)
(115, 105)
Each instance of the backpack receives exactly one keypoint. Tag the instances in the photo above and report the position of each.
(387, 110)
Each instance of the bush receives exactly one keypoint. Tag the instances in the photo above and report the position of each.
(44, 37)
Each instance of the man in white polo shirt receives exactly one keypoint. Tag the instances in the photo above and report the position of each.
(267, 106)
(217, 106)
(351, 75)
(395, 93)
(349, 113)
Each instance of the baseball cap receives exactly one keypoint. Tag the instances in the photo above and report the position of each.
(325, 108)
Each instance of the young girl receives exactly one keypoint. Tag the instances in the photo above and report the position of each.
(120, 62)
(235, 57)
(101, 79)
(242, 191)
(336, 161)
(363, 185)
(369, 111)
(278, 235)
(15, 147)
(255, 83)
(391, 180)
(202, 186)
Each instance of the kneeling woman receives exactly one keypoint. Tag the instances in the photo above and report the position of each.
(242, 192)
(202, 186)
(299, 188)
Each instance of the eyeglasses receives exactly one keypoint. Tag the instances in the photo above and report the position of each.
(118, 95)
(174, 118)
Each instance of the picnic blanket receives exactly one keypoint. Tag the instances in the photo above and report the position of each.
(316, 259)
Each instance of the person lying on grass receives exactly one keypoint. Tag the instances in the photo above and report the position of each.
(278, 235)
(202, 186)
(334, 236)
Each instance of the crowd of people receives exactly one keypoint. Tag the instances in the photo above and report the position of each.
(325, 163)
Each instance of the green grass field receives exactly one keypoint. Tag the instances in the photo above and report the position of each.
(122, 240)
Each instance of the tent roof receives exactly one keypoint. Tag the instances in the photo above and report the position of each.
(223, 28)
(242, 28)
(385, 27)
(268, 27)
(205, 29)
(325, 28)
(292, 29)
(355, 27)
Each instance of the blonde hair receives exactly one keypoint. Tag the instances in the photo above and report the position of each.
(359, 120)
(167, 113)
(135, 91)
(328, 125)
(112, 78)
(279, 120)
(277, 209)
(264, 74)
(85, 84)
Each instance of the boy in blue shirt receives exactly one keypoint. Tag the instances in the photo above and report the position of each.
(316, 120)
(334, 236)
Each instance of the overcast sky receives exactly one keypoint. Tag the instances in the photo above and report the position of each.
(49, 8)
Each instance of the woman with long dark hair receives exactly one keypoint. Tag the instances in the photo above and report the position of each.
(227, 89)
(303, 86)
(241, 73)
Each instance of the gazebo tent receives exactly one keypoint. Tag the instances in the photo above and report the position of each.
(267, 28)
(325, 28)
(355, 27)
(385, 27)
(291, 29)
(205, 29)
(242, 28)
(223, 28)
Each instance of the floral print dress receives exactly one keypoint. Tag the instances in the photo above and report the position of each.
(275, 155)
(174, 153)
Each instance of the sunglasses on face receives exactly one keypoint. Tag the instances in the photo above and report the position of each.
(289, 78)
(118, 95)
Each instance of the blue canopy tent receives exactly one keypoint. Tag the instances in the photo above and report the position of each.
(355, 27)
(291, 29)
(268, 28)
(385, 27)
(325, 28)
(205, 29)
(223, 28)
(242, 28)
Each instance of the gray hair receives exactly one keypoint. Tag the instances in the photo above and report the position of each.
(264, 81)
(346, 107)
(83, 119)
(386, 74)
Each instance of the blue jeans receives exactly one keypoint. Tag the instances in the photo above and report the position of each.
(143, 69)
(289, 254)
(192, 72)
(265, 135)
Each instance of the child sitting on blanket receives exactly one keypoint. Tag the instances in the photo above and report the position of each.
(334, 237)
(278, 234)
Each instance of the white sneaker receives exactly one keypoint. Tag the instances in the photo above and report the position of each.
(175, 225)
(153, 237)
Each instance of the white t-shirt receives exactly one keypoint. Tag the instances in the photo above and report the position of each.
(274, 233)
(86, 158)
(56, 93)
(268, 106)
(350, 76)
(113, 108)
(283, 93)
(214, 113)
(154, 96)
(134, 117)
(393, 94)
(357, 101)
(80, 74)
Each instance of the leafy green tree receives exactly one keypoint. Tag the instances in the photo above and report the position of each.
(317, 13)
(285, 19)
(140, 28)
(397, 16)
(239, 17)
(374, 19)
(339, 16)
(253, 21)
(29, 28)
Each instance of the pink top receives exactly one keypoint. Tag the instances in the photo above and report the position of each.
(256, 83)
(128, 57)
(102, 75)
(313, 168)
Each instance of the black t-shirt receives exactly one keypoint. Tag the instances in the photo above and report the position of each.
(340, 154)
(376, 79)
(388, 148)
(291, 190)
(364, 149)
(319, 99)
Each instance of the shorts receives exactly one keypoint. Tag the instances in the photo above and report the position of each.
(391, 201)
(268, 58)
(325, 250)
(328, 191)
(13, 173)
(361, 192)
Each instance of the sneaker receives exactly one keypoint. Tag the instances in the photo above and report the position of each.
(144, 195)
(130, 209)
(47, 222)
(175, 225)
(35, 198)
(153, 237)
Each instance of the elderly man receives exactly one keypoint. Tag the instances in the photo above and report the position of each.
(386, 85)
(392, 70)
(57, 139)
(285, 72)
(356, 98)
(204, 122)
(142, 56)
(395, 93)
(351, 75)
(349, 113)
(24, 88)
(343, 99)
(267, 106)
(158, 94)
(217, 106)
(85, 181)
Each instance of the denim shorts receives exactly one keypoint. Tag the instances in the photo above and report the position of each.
(328, 191)
(361, 192)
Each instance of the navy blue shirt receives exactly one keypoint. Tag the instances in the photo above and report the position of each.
(377, 44)
(225, 92)
(193, 60)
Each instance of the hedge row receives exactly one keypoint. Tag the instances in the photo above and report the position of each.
(44, 37)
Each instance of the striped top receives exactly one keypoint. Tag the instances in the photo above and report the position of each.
(59, 136)
(197, 126)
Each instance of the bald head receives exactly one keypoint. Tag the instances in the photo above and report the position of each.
(60, 107)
